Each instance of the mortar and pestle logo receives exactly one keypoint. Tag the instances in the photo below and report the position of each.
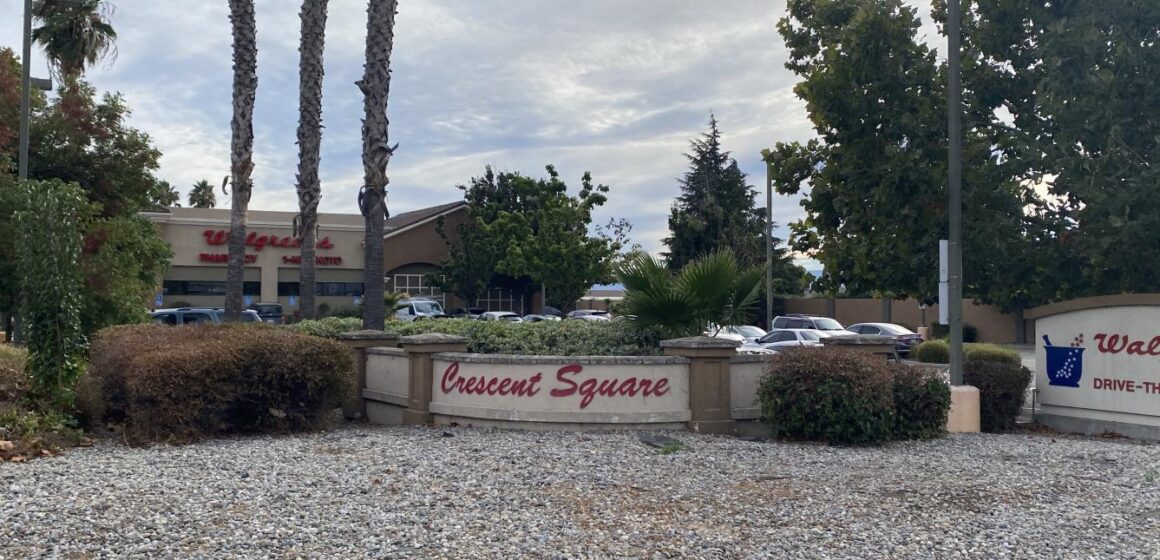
(1064, 363)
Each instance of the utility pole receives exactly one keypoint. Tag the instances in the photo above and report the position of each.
(25, 91)
(955, 185)
(768, 246)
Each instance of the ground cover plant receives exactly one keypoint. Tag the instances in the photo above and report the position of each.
(180, 384)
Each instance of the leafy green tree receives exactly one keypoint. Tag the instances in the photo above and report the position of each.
(523, 233)
(712, 290)
(1078, 79)
(48, 252)
(876, 206)
(123, 261)
(202, 195)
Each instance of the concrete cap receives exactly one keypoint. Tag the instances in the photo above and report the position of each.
(700, 342)
(368, 334)
(433, 338)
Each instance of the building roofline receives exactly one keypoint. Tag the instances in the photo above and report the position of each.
(457, 207)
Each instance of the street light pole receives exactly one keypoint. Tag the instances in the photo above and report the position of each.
(768, 246)
(955, 185)
(25, 91)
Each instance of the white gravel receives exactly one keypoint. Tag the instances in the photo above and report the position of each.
(374, 492)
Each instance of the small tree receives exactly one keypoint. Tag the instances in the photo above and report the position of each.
(48, 231)
(711, 290)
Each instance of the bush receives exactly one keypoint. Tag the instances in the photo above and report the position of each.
(939, 330)
(347, 312)
(835, 396)
(1002, 388)
(14, 382)
(922, 400)
(983, 352)
(180, 384)
(553, 338)
(939, 352)
(933, 352)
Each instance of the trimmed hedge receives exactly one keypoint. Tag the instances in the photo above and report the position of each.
(835, 396)
(922, 401)
(1002, 388)
(553, 338)
(938, 352)
(842, 396)
(181, 384)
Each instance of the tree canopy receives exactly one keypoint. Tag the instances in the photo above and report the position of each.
(716, 211)
(523, 233)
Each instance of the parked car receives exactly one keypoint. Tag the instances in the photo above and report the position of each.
(589, 315)
(269, 312)
(811, 322)
(501, 316)
(905, 339)
(536, 318)
(780, 339)
(198, 315)
(418, 308)
(744, 333)
(751, 348)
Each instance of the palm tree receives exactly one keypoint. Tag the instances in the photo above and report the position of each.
(241, 147)
(310, 72)
(201, 195)
(74, 36)
(711, 290)
(377, 151)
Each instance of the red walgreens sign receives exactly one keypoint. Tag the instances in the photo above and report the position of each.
(260, 241)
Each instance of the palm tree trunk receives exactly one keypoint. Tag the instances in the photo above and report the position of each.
(376, 85)
(241, 147)
(310, 73)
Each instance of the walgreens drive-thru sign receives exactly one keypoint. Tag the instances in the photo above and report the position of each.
(1101, 364)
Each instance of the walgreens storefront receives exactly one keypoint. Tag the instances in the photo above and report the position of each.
(199, 238)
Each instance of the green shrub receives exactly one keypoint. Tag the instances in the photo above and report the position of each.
(939, 330)
(180, 384)
(553, 338)
(1002, 388)
(985, 352)
(835, 396)
(933, 352)
(347, 311)
(939, 352)
(922, 400)
(14, 382)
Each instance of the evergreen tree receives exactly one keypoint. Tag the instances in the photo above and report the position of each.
(716, 211)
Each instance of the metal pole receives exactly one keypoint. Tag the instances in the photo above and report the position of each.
(768, 246)
(25, 91)
(955, 184)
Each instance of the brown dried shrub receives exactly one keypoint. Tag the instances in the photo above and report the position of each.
(181, 384)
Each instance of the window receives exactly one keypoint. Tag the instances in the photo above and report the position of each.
(811, 336)
(339, 289)
(165, 319)
(869, 329)
(415, 285)
(286, 289)
(499, 300)
(206, 288)
(195, 319)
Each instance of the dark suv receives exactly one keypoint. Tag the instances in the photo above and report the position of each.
(812, 322)
(269, 312)
(198, 315)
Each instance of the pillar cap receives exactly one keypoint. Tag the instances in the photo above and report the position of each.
(368, 334)
(427, 339)
(700, 342)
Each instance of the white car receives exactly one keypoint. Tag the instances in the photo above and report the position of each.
(589, 315)
(781, 339)
(747, 334)
(750, 348)
(501, 316)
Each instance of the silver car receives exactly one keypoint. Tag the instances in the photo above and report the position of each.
(781, 339)
(412, 309)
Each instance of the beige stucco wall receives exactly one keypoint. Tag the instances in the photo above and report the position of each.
(388, 371)
(572, 378)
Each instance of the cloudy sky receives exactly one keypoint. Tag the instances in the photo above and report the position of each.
(609, 86)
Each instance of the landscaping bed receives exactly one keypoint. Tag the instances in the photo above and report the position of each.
(367, 491)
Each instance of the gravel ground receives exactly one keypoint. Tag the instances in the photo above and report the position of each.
(375, 492)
